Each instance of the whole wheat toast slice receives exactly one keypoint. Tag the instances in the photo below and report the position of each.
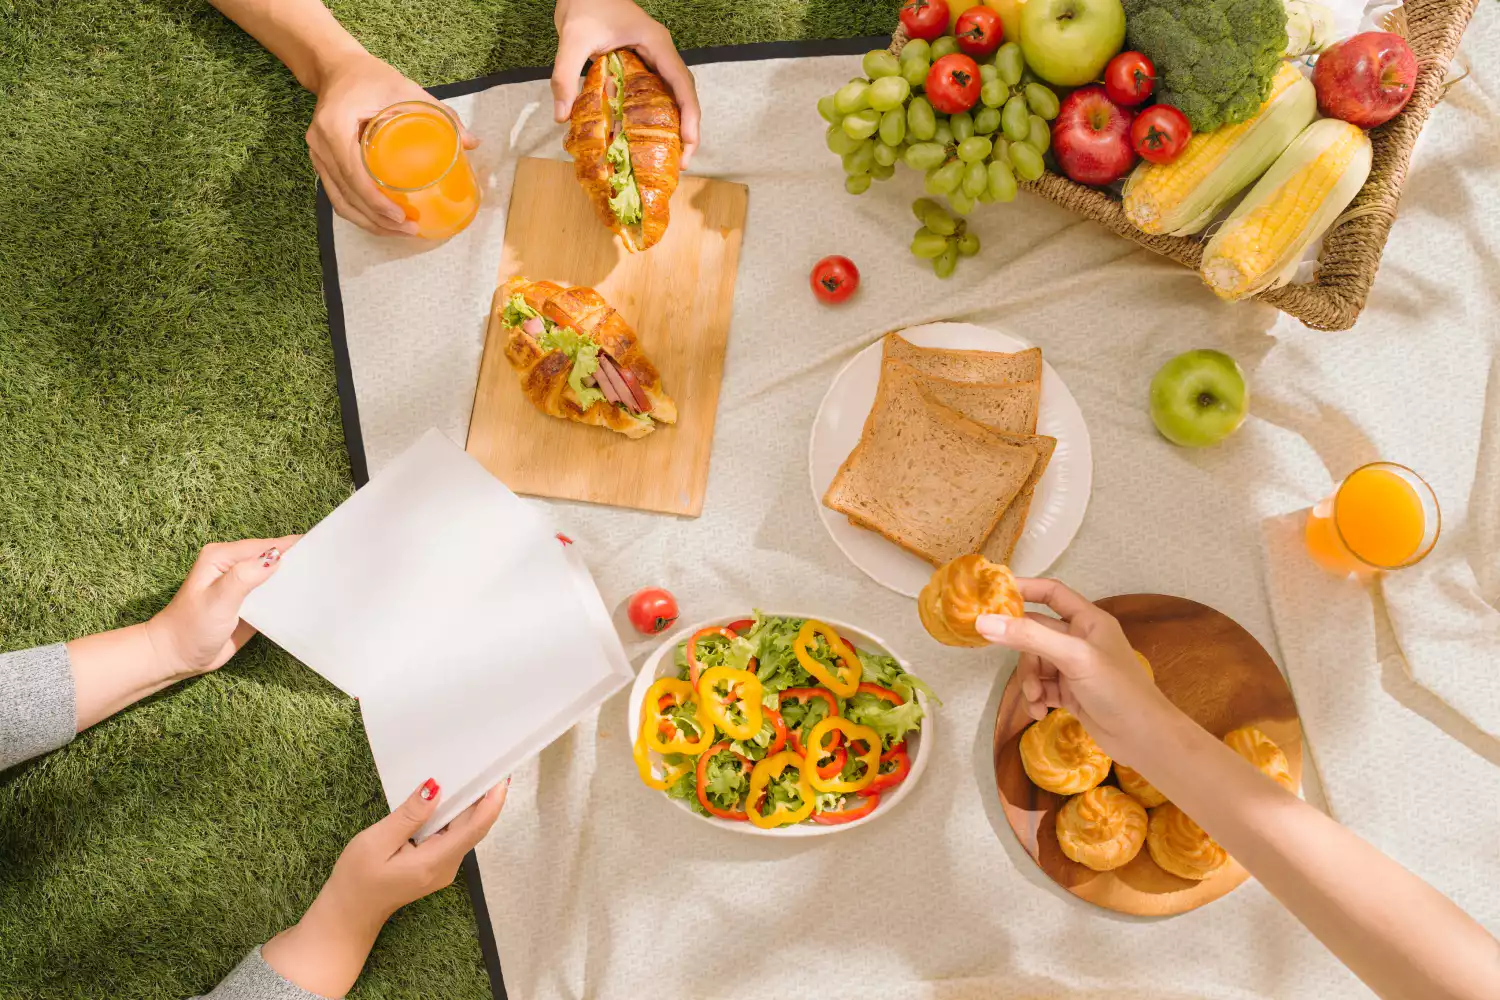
(965, 366)
(1005, 406)
(1001, 544)
(926, 477)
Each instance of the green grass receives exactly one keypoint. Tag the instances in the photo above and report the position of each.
(166, 380)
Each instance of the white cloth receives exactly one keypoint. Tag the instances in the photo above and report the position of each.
(599, 887)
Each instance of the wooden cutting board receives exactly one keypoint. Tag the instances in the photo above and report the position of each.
(677, 296)
(1213, 670)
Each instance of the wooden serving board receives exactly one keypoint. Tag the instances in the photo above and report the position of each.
(1213, 670)
(677, 296)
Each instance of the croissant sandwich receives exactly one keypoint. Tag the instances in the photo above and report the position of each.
(626, 144)
(578, 359)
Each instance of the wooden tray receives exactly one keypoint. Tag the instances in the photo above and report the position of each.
(1213, 670)
(677, 296)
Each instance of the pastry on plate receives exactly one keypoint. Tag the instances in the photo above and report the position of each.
(1101, 828)
(965, 366)
(1179, 846)
(1268, 758)
(1137, 787)
(578, 359)
(929, 479)
(959, 592)
(626, 142)
(1059, 756)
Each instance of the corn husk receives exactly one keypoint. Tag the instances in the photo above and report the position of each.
(1181, 197)
(1305, 190)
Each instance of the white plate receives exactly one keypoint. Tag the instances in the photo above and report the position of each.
(918, 744)
(1057, 506)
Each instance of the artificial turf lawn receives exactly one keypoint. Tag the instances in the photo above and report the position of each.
(166, 380)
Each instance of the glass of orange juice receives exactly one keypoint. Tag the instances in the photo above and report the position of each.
(415, 155)
(1382, 517)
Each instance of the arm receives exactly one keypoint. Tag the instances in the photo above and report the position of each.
(378, 873)
(48, 695)
(352, 87)
(1403, 938)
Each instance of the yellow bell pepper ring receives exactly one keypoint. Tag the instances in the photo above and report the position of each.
(648, 776)
(673, 691)
(853, 733)
(742, 690)
(843, 683)
(767, 771)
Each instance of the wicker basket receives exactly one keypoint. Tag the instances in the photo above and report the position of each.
(1351, 251)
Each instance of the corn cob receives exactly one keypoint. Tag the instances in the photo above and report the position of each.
(1306, 189)
(1183, 196)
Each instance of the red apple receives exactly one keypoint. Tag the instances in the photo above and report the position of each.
(1366, 78)
(1091, 137)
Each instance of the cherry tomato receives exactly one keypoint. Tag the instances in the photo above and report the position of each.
(979, 32)
(926, 19)
(953, 83)
(834, 279)
(1129, 79)
(1159, 133)
(652, 610)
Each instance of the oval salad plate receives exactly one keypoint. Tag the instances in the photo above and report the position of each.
(1062, 494)
(662, 663)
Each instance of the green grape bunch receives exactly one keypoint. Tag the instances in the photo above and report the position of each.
(883, 118)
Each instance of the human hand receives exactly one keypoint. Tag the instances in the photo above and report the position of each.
(352, 90)
(587, 28)
(378, 873)
(201, 629)
(381, 870)
(1080, 661)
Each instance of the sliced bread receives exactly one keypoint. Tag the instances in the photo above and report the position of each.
(966, 366)
(1005, 406)
(926, 477)
(1001, 544)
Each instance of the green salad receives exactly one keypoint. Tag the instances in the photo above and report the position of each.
(776, 720)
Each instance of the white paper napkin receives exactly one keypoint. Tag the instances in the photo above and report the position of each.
(471, 635)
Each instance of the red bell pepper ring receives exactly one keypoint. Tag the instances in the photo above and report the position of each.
(871, 800)
(779, 740)
(883, 693)
(745, 762)
(884, 780)
(805, 695)
(694, 666)
(830, 769)
(742, 626)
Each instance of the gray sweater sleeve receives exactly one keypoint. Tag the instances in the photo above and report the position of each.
(37, 710)
(253, 979)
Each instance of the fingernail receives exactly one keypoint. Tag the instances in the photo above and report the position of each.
(991, 626)
(429, 790)
(269, 556)
(507, 781)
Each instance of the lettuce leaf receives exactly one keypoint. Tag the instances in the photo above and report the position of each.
(626, 203)
(891, 722)
(584, 354)
(517, 311)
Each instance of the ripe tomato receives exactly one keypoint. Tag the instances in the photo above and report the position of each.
(652, 610)
(926, 19)
(953, 84)
(979, 32)
(834, 279)
(1129, 78)
(1159, 133)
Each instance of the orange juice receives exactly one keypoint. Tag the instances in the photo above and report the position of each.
(1383, 516)
(413, 152)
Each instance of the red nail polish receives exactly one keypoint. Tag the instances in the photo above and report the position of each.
(269, 556)
(564, 538)
(429, 790)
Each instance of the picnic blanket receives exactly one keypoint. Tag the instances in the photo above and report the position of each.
(598, 887)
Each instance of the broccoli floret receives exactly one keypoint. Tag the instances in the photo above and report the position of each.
(1214, 58)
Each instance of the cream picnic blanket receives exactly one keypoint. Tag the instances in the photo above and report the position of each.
(598, 887)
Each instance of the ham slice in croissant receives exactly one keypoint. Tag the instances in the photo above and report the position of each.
(578, 359)
(626, 144)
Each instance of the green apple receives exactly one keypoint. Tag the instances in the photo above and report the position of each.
(1198, 398)
(1068, 42)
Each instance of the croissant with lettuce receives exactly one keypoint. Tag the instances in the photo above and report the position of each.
(578, 359)
(626, 145)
